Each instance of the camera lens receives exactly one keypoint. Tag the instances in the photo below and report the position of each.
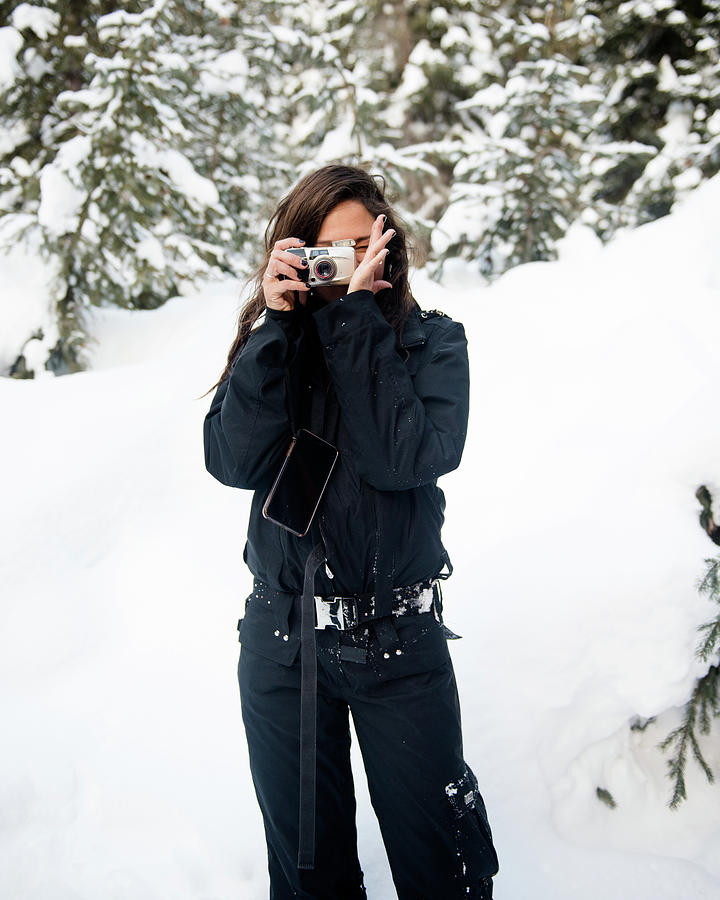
(325, 270)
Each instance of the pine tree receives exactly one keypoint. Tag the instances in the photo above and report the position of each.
(704, 703)
(521, 181)
(377, 84)
(337, 75)
(662, 98)
(450, 58)
(239, 137)
(52, 40)
(119, 180)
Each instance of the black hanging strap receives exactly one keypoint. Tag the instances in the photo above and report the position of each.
(308, 711)
(325, 411)
(292, 400)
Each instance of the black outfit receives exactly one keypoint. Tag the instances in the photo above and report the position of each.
(397, 410)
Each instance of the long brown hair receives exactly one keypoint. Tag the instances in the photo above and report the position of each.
(301, 214)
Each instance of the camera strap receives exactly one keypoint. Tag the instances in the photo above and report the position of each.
(291, 399)
(324, 415)
(325, 411)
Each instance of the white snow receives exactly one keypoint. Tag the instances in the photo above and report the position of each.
(60, 199)
(572, 525)
(43, 22)
(197, 189)
(10, 43)
(25, 305)
(668, 80)
(229, 73)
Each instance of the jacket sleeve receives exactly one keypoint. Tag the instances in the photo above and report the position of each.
(406, 431)
(247, 430)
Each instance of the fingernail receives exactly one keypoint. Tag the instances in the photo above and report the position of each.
(302, 242)
(304, 262)
(384, 218)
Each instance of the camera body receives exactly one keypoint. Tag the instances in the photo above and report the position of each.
(326, 265)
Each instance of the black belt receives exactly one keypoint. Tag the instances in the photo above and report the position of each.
(342, 613)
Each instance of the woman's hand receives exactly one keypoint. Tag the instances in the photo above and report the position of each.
(369, 274)
(279, 293)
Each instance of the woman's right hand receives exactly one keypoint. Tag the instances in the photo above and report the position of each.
(279, 292)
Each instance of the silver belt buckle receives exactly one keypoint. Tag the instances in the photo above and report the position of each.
(329, 613)
(336, 612)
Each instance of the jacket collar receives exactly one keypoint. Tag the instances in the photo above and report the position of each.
(413, 332)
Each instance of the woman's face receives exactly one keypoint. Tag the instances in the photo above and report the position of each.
(349, 219)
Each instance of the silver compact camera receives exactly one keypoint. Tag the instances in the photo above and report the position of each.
(326, 265)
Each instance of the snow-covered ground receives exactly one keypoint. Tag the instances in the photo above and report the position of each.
(573, 529)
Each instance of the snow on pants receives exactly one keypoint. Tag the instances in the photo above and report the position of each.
(404, 703)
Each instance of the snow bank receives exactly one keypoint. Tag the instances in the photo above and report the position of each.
(572, 525)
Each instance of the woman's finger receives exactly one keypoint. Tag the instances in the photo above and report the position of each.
(369, 271)
(288, 242)
(288, 285)
(379, 240)
(378, 226)
(386, 236)
(281, 295)
(374, 258)
(282, 292)
(277, 267)
(378, 259)
(292, 259)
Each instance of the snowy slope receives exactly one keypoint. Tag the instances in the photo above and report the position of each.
(572, 526)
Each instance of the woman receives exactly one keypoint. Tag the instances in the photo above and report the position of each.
(363, 367)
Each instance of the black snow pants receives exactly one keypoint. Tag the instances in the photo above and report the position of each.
(397, 681)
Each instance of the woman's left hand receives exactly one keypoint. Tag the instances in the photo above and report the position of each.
(368, 276)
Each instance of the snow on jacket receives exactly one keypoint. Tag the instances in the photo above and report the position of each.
(401, 423)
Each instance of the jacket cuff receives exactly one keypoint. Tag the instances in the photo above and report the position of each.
(287, 319)
(282, 315)
(345, 312)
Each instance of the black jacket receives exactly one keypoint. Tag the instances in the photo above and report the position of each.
(401, 423)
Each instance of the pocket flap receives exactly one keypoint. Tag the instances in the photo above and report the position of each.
(265, 627)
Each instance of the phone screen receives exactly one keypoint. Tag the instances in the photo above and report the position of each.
(303, 476)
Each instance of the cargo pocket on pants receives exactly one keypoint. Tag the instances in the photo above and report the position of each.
(477, 857)
(265, 627)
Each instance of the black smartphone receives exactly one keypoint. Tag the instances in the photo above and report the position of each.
(300, 483)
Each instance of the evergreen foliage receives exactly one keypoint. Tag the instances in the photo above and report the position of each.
(604, 796)
(704, 702)
(377, 84)
(144, 219)
(121, 181)
(234, 116)
(452, 58)
(335, 77)
(519, 181)
(144, 144)
(702, 706)
(662, 67)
